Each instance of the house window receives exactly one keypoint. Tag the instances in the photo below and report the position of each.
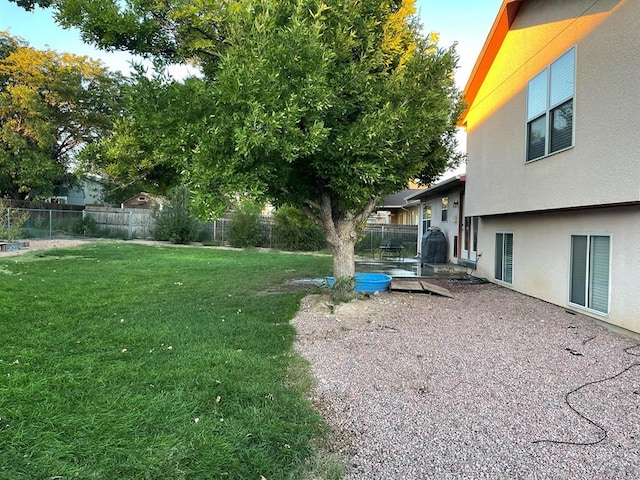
(445, 208)
(475, 234)
(590, 272)
(504, 257)
(426, 218)
(550, 108)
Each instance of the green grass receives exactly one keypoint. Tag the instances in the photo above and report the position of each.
(123, 361)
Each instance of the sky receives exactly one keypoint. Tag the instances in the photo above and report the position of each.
(466, 22)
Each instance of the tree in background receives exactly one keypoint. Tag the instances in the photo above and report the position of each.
(142, 151)
(293, 230)
(51, 105)
(324, 105)
(174, 221)
(245, 229)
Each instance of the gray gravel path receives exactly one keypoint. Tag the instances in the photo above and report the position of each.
(424, 387)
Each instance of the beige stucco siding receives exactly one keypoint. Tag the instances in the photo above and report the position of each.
(603, 166)
(450, 227)
(541, 256)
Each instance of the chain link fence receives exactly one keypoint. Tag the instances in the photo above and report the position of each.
(138, 223)
(35, 223)
(373, 236)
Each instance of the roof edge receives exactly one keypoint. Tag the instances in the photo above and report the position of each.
(444, 186)
(501, 26)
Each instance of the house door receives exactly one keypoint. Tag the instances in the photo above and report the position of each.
(470, 239)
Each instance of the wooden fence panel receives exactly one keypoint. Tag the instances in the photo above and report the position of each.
(127, 223)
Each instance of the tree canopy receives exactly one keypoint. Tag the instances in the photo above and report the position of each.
(322, 104)
(51, 104)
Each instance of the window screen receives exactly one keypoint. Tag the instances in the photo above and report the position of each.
(445, 208)
(589, 286)
(550, 108)
(504, 257)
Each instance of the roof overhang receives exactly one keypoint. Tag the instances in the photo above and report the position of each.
(501, 26)
(453, 183)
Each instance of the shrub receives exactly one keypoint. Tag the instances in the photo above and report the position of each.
(11, 223)
(84, 226)
(245, 229)
(174, 222)
(293, 230)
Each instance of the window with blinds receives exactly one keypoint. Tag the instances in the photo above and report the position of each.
(550, 108)
(504, 257)
(444, 209)
(426, 218)
(589, 285)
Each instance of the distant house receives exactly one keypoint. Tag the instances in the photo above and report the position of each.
(553, 162)
(442, 205)
(66, 195)
(143, 200)
(94, 188)
(89, 191)
(396, 209)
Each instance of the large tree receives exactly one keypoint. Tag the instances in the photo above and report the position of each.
(149, 141)
(51, 104)
(322, 104)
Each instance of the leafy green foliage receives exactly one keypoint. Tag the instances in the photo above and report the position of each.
(245, 229)
(343, 290)
(175, 222)
(51, 105)
(325, 106)
(85, 225)
(150, 143)
(293, 230)
(12, 222)
(152, 362)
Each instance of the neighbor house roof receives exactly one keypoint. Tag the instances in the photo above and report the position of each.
(501, 25)
(399, 199)
(439, 188)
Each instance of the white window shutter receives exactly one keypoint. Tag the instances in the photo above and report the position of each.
(599, 274)
(537, 96)
(562, 78)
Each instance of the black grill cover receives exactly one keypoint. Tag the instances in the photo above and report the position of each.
(434, 247)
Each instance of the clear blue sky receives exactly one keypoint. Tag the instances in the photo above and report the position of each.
(464, 21)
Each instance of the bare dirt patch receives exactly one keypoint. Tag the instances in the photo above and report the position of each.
(44, 245)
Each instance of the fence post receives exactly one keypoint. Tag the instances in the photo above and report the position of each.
(130, 226)
(50, 223)
(9, 220)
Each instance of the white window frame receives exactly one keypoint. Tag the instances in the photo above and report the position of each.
(444, 209)
(426, 215)
(551, 105)
(503, 263)
(588, 274)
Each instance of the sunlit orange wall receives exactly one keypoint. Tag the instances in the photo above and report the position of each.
(529, 47)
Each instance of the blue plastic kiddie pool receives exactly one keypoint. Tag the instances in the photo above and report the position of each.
(368, 282)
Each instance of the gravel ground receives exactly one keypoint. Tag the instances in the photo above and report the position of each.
(489, 385)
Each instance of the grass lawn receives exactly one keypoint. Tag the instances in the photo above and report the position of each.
(124, 361)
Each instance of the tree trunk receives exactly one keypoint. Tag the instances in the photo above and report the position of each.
(342, 235)
(343, 250)
(342, 244)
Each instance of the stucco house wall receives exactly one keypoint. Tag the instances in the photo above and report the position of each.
(589, 188)
(597, 169)
(431, 200)
(449, 226)
(541, 257)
